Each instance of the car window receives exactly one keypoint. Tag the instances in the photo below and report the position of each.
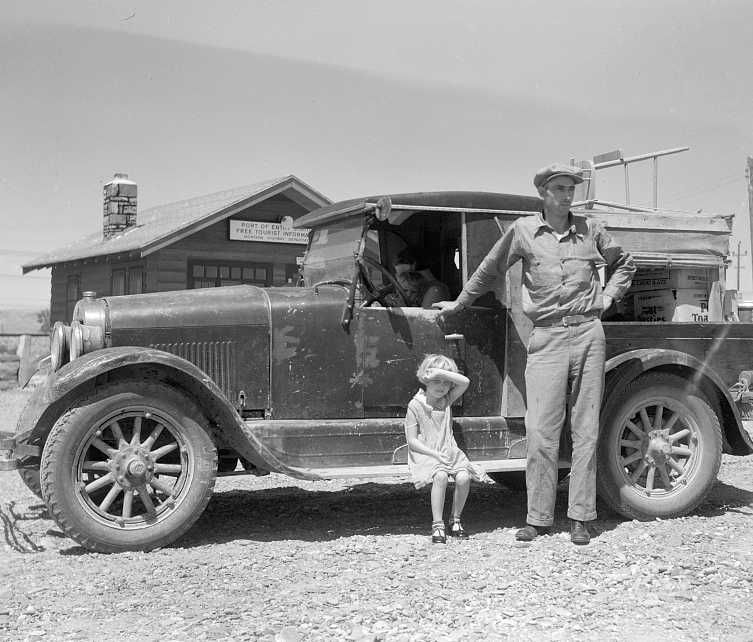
(330, 253)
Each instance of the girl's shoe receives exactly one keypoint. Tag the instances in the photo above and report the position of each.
(437, 533)
(457, 530)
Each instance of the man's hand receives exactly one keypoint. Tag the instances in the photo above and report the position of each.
(448, 308)
(606, 301)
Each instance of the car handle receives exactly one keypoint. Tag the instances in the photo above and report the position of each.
(454, 337)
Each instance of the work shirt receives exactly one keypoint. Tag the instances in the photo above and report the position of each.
(560, 271)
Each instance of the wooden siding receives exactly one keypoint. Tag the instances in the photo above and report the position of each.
(93, 276)
(212, 244)
(167, 269)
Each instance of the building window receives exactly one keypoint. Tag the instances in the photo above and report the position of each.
(136, 280)
(118, 282)
(72, 294)
(130, 281)
(211, 275)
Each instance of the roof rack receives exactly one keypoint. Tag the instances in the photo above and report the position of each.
(612, 159)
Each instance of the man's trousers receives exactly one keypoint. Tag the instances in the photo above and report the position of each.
(564, 380)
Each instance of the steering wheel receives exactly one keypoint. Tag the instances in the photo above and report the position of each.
(378, 293)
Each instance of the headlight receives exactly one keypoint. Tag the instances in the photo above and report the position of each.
(90, 315)
(77, 340)
(85, 334)
(85, 338)
(59, 345)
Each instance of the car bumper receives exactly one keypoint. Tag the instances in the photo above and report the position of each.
(11, 452)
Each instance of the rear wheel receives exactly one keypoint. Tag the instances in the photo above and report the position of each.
(130, 468)
(660, 448)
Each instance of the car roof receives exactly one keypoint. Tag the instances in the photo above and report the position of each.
(446, 201)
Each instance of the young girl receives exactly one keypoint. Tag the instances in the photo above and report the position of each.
(433, 455)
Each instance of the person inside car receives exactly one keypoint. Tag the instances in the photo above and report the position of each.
(417, 280)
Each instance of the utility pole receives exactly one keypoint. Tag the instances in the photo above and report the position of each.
(749, 176)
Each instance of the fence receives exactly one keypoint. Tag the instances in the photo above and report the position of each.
(19, 355)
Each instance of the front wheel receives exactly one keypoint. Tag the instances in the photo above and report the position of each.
(660, 448)
(130, 468)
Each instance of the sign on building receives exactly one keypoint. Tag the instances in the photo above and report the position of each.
(266, 232)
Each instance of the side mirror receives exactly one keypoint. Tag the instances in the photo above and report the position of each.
(383, 208)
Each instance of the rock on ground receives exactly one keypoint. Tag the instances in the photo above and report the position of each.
(281, 560)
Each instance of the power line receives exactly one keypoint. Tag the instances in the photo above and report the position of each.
(706, 190)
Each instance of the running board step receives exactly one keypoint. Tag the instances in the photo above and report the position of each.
(401, 470)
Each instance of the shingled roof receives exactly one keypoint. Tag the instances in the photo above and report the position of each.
(162, 225)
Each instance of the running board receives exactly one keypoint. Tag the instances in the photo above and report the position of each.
(401, 470)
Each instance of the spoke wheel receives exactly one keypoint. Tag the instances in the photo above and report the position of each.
(130, 468)
(660, 449)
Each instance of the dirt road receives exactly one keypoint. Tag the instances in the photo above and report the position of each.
(277, 559)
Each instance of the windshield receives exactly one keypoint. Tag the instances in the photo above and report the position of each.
(431, 237)
(330, 253)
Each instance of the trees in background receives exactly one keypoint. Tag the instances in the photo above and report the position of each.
(43, 317)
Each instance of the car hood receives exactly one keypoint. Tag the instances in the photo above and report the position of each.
(208, 307)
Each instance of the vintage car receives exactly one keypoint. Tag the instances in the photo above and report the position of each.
(151, 396)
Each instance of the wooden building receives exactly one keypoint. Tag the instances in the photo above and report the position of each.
(241, 235)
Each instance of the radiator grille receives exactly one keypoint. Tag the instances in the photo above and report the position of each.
(216, 358)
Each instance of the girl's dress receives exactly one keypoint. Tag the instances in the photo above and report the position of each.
(435, 430)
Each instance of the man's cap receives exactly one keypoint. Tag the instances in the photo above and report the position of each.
(546, 174)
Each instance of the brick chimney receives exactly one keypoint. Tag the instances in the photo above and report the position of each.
(119, 208)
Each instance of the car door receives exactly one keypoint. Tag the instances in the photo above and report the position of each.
(393, 341)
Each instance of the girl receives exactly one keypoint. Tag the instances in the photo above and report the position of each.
(433, 455)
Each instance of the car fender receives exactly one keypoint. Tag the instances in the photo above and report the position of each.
(74, 380)
(621, 369)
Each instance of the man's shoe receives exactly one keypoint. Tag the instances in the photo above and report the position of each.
(579, 532)
(530, 532)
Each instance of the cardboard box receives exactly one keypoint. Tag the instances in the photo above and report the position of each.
(682, 305)
(693, 279)
(656, 305)
(650, 280)
(691, 305)
(674, 279)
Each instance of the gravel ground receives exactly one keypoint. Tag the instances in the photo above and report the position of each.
(277, 559)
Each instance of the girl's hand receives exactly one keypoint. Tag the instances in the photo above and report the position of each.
(435, 374)
(444, 459)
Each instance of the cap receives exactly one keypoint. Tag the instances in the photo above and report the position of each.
(546, 174)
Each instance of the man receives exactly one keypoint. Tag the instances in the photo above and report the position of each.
(564, 299)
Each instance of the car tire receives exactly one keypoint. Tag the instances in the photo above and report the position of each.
(131, 467)
(653, 466)
(30, 477)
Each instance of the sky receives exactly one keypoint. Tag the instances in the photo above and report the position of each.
(358, 97)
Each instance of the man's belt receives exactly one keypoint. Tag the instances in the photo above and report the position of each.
(571, 319)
